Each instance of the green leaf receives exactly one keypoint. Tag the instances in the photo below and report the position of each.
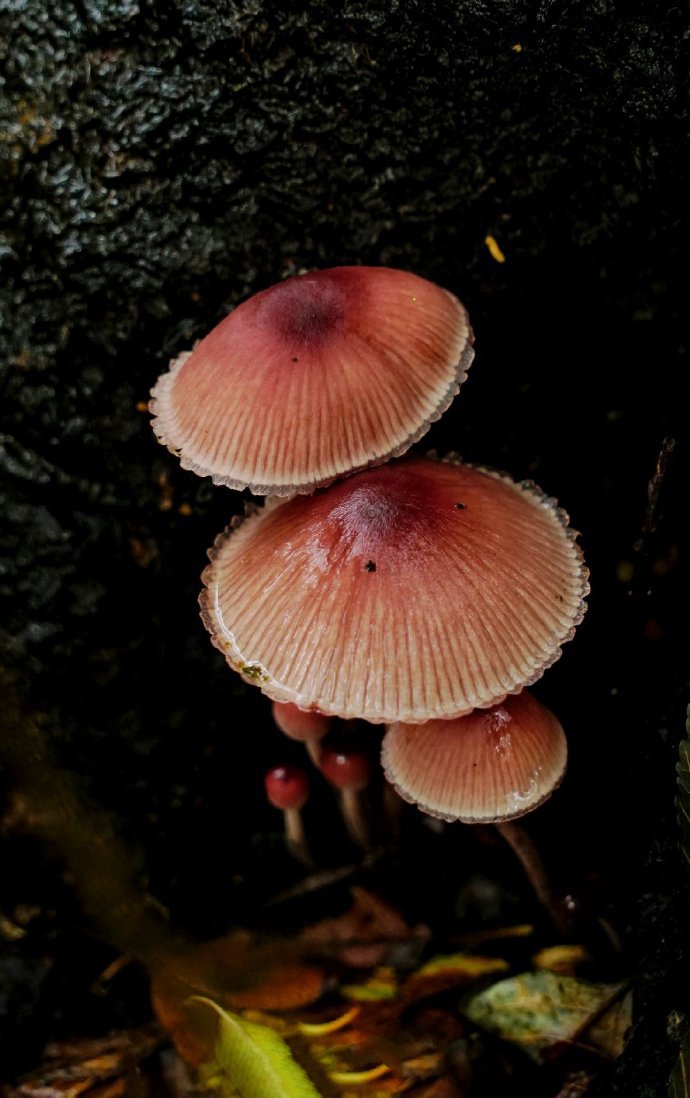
(539, 1009)
(679, 1083)
(250, 1060)
(683, 797)
(381, 986)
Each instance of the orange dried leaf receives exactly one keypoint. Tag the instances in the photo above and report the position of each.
(236, 971)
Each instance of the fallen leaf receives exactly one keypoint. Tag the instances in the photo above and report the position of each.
(465, 965)
(448, 971)
(609, 1032)
(563, 959)
(381, 986)
(250, 1060)
(242, 972)
(89, 1066)
(537, 1010)
(364, 935)
(239, 972)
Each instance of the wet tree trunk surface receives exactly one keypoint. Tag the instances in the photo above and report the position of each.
(163, 159)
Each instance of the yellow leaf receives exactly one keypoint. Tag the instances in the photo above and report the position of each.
(561, 958)
(251, 1061)
(464, 964)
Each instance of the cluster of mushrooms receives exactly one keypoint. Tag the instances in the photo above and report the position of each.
(417, 592)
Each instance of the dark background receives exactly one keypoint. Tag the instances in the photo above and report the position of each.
(162, 159)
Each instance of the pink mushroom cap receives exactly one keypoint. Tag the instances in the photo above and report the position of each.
(300, 724)
(491, 765)
(316, 377)
(415, 590)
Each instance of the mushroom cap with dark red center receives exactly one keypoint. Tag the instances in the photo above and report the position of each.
(493, 764)
(286, 787)
(314, 378)
(346, 768)
(411, 591)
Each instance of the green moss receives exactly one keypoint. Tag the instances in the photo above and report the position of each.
(253, 671)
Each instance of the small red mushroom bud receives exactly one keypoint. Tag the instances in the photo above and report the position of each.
(287, 788)
(307, 726)
(349, 770)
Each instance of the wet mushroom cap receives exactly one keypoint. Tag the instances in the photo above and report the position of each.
(314, 378)
(491, 765)
(411, 591)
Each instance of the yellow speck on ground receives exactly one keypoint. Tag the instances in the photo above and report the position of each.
(184, 509)
(517, 48)
(494, 250)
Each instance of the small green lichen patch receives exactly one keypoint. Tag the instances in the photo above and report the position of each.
(253, 671)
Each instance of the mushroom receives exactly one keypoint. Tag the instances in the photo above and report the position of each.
(380, 598)
(488, 766)
(316, 377)
(307, 726)
(287, 788)
(349, 770)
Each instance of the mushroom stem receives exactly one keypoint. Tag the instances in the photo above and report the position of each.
(348, 768)
(295, 837)
(307, 726)
(392, 809)
(287, 788)
(354, 817)
(526, 851)
(313, 747)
